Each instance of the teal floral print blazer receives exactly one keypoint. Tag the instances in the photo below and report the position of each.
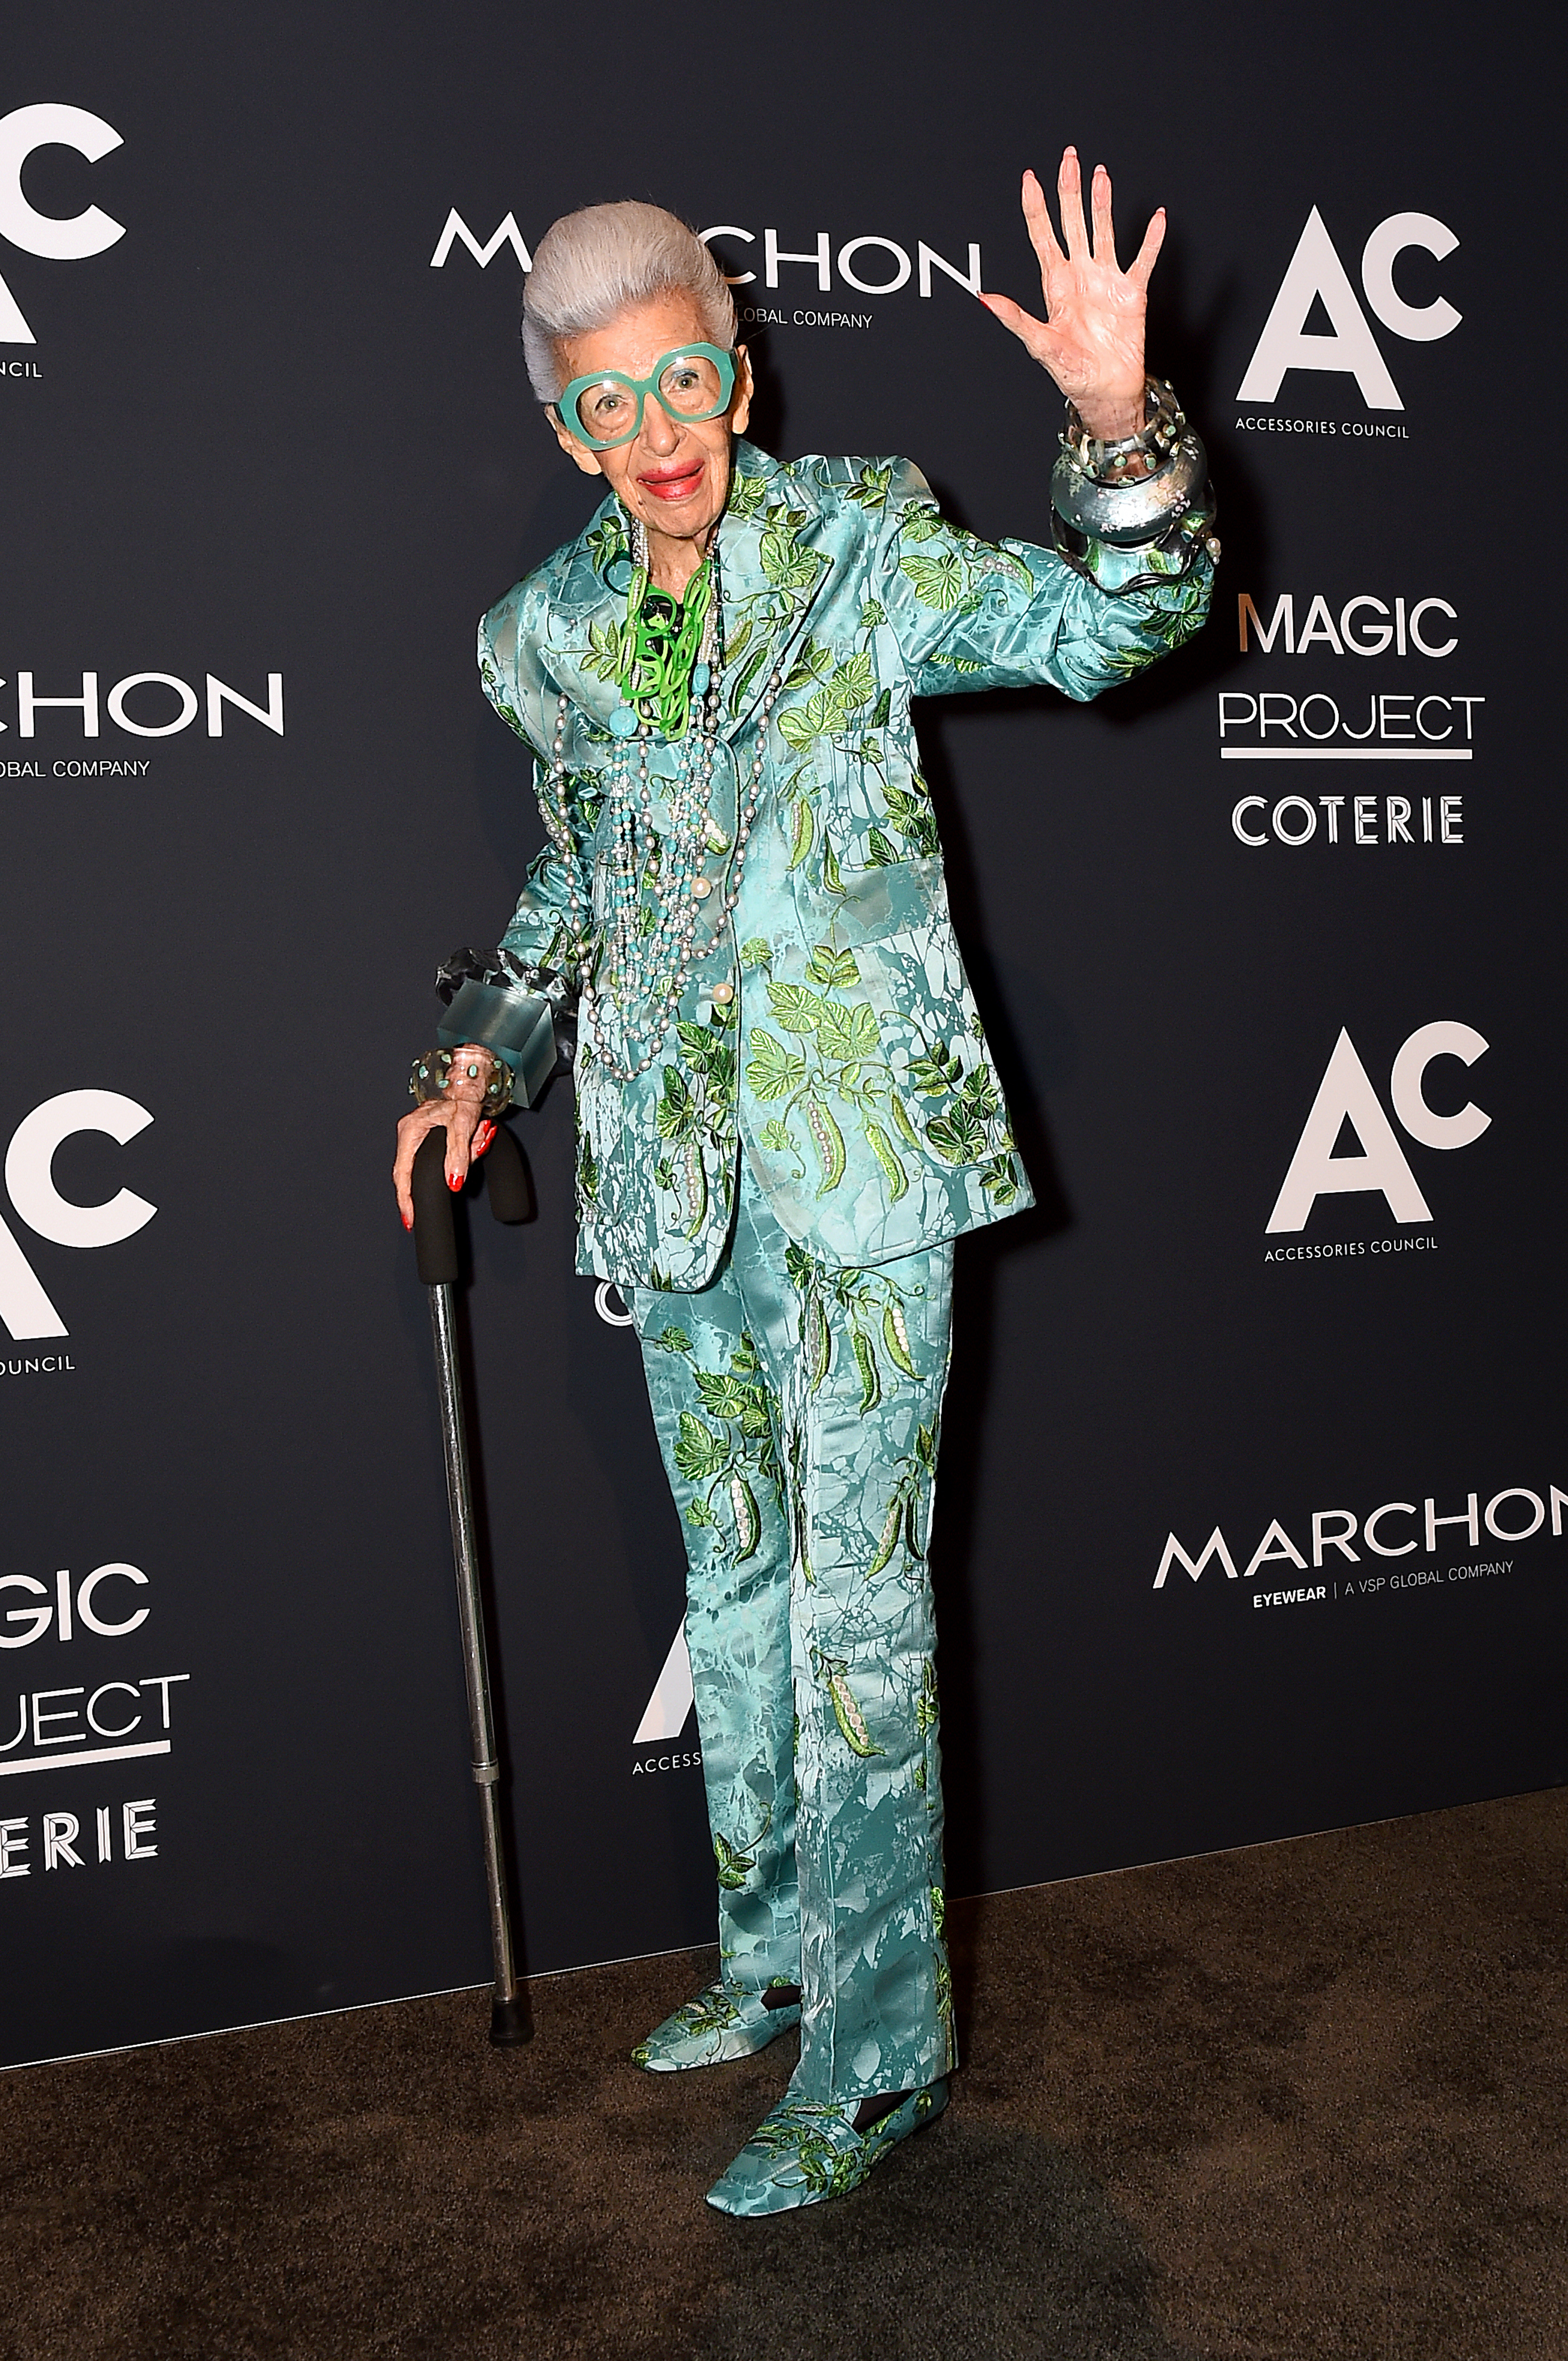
(846, 1059)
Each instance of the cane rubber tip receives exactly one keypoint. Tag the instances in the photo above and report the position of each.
(510, 2023)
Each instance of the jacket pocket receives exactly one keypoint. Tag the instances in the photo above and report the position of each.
(895, 898)
(949, 1095)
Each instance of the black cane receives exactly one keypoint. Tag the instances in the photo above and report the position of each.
(435, 1240)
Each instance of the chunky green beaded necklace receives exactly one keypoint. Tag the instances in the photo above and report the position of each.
(660, 642)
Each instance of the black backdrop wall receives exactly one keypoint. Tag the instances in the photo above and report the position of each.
(267, 426)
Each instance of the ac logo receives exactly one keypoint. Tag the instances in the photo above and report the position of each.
(1346, 1093)
(22, 132)
(29, 1179)
(1316, 274)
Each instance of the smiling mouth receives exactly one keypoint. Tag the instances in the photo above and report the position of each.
(674, 483)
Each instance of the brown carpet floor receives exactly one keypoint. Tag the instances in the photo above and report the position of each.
(1307, 2101)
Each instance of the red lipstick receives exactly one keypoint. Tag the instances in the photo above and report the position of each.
(673, 483)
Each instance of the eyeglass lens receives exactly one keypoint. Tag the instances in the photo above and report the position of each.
(689, 387)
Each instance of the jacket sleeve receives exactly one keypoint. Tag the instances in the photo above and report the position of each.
(539, 931)
(968, 613)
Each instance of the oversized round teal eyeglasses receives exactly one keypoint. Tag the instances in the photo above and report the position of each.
(693, 383)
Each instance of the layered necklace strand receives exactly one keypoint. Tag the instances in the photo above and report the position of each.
(656, 882)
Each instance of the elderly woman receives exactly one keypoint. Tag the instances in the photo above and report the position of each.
(786, 1110)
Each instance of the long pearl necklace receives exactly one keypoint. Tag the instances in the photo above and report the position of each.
(657, 886)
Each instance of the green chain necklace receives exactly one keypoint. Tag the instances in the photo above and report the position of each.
(660, 641)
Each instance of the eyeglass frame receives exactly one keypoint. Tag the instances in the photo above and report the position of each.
(564, 405)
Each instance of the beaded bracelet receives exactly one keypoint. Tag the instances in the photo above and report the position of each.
(1155, 441)
(431, 1076)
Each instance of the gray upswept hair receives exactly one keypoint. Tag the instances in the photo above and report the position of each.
(592, 265)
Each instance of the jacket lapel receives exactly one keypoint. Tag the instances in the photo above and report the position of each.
(775, 570)
(586, 583)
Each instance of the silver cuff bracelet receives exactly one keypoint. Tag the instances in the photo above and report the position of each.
(1096, 496)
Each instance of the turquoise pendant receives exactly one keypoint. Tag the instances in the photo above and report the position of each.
(700, 678)
(623, 722)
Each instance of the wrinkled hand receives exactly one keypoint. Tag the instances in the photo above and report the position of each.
(462, 1116)
(1091, 339)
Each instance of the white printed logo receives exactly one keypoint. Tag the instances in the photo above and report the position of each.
(665, 1716)
(1346, 1092)
(22, 132)
(48, 1730)
(152, 717)
(1367, 626)
(1396, 1529)
(1316, 274)
(856, 257)
(29, 1178)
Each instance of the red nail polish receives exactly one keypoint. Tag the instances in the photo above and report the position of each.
(452, 1181)
(407, 1221)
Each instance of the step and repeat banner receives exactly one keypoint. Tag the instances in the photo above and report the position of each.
(1254, 1483)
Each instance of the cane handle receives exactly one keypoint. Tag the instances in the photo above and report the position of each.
(435, 1232)
(507, 1178)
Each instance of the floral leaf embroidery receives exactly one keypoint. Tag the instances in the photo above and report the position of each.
(854, 682)
(871, 492)
(700, 1452)
(847, 1034)
(721, 1393)
(958, 1135)
(773, 1072)
(676, 1113)
(813, 663)
(832, 969)
(786, 565)
(920, 522)
(796, 1010)
(938, 581)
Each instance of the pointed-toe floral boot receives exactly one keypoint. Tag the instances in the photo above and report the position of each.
(721, 2024)
(807, 2150)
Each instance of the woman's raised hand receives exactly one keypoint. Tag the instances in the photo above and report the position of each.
(461, 1114)
(1091, 338)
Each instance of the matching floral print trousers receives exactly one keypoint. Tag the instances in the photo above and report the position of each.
(797, 1407)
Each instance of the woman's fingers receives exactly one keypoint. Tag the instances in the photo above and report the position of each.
(412, 1134)
(462, 1122)
(1144, 260)
(1037, 222)
(461, 1115)
(1099, 213)
(1070, 196)
(465, 1146)
(466, 1110)
(1013, 315)
(1039, 340)
(1090, 338)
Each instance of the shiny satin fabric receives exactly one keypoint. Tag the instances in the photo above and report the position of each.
(829, 1027)
(799, 1408)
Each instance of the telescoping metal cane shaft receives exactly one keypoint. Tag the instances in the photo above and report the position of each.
(435, 1239)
